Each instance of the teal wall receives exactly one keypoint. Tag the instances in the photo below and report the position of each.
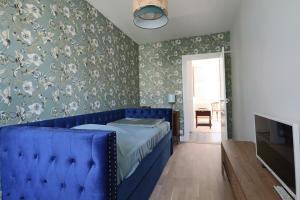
(161, 69)
(60, 58)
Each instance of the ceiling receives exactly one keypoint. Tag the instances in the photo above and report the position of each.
(186, 18)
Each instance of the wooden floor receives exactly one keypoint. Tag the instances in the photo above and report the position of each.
(193, 172)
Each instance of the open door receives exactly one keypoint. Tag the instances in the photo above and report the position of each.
(188, 91)
(223, 99)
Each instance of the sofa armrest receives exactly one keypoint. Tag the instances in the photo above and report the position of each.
(56, 163)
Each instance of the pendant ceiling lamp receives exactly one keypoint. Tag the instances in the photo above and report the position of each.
(150, 14)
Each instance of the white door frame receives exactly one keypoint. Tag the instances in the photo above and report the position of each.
(187, 83)
(224, 100)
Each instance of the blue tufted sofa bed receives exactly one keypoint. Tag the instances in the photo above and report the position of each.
(47, 160)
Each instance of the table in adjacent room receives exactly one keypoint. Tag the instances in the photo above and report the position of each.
(203, 113)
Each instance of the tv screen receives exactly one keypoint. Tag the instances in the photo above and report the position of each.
(275, 148)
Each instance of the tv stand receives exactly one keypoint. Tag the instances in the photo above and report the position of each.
(249, 181)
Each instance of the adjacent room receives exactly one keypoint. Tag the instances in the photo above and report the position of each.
(204, 80)
(149, 99)
(207, 96)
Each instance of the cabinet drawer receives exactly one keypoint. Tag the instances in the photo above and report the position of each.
(235, 186)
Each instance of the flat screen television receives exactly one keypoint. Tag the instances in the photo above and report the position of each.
(277, 147)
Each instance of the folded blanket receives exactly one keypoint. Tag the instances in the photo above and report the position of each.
(138, 122)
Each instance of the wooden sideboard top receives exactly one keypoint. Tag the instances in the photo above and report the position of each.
(256, 181)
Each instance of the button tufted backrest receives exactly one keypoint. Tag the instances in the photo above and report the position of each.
(43, 162)
(150, 113)
(54, 163)
(93, 118)
(105, 117)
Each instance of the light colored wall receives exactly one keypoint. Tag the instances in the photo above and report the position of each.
(266, 67)
(206, 82)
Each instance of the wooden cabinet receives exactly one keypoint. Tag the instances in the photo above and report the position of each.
(176, 126)
(248, 179)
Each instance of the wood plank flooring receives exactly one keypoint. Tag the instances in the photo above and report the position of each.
(193, 172)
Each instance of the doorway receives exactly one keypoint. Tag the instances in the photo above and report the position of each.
(204, 98)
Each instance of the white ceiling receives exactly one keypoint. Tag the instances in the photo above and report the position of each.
(186, 18)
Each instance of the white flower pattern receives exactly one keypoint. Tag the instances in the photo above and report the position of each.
(60, 50)
(26, 36)
(5, 38)
(28, 87)
(160, 69)
(33, 10)
(73, 106)
(54, 52)
(6, 95)
(36, 108)
(34, 59)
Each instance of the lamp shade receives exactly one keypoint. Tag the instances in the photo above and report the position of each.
(150, 14)
(171, 98)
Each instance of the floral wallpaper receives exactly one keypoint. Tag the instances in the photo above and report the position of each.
(160, 69)
(60, 58)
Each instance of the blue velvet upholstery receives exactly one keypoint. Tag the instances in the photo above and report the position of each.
(94, 118)
(51, 163)
(140, 185)
(47, 160)
(150, 113)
